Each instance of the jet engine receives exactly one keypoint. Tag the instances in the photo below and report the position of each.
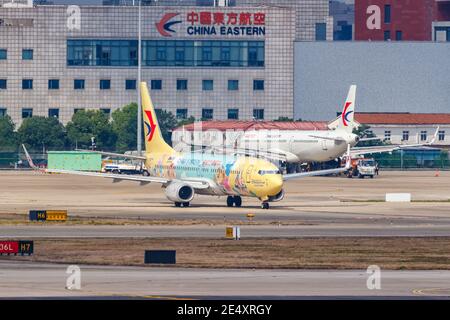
(278, 197)
(179, 192)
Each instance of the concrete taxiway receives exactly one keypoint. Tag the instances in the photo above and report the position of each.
(205, 231)
(43, 280)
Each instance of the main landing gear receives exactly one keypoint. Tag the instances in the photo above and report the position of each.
(234, 201)
(182, 204)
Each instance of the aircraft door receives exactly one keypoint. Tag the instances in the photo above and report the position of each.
(248, 174)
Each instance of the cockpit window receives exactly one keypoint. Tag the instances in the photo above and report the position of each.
(264, 172)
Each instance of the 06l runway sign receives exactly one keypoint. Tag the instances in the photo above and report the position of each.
(16, 248)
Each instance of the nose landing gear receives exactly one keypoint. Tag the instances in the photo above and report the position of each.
(265, 205)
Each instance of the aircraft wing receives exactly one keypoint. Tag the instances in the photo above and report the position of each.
(196, 184)
(111, 154)
(380, 149)
(313, 173)
(320, 172)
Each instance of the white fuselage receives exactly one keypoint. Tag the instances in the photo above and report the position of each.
(305, 145)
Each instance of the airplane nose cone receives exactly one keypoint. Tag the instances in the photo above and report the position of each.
(275, 184)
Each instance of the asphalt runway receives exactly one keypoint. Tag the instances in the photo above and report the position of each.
(21, 280)
(66, 232)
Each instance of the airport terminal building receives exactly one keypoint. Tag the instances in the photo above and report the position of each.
(233, 62)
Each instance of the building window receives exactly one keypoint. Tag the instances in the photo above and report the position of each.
(258, 85)
(77, 110)
(130, 84)
(387, 13)
(208, 85)
(27, 113)
(405, 136)
(53, 113)
(78, 84)
(321, 31)
(182, 84)
(27, 54)
(233, 85)
(106, 111)
(387, 35)
(182, 113)
(105, 84)
(441, 135)
(258, 114)
(166, 53)
(207, 114)
(53, 84)
(423, 135)
(3, 84)
(387, 135)
(156, 84)
(2, 112)
(27, 84)
(399, 35)
(3, 54)
(233, 114)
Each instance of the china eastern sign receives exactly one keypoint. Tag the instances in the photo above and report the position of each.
(204, 23)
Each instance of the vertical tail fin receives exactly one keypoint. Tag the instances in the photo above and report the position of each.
(154, 141)
(348, 112)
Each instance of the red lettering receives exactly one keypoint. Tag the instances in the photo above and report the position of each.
(192, 17)
(219, 18)
(232, 18)
(245, 18)
(205, 18)
(259, 18)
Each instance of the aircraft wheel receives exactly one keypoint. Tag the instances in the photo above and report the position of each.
(230, 201)
(186, 204)
(178, 204)
(237, 201)
(265, 205)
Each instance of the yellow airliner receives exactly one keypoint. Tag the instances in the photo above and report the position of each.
(185, 174)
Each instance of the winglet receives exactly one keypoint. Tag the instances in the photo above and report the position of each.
(436, 134)
(30, 161)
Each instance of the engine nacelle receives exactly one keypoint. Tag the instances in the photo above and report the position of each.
(179, 192)
(278, 197)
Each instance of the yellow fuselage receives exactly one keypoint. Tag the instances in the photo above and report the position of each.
(229, 175)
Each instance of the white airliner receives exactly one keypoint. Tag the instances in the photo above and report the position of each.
(298, 146)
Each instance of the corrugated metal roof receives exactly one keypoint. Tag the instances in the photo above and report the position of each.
(257, 125)
(402, 118)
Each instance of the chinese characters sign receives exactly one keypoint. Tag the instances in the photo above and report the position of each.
(199, 23)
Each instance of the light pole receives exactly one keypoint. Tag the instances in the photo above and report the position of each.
(139, 113)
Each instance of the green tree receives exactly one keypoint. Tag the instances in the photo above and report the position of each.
(124, 125)
(42, 133)
(184, 122)
(167, 122)
(363, 131)
(8, 138)
(86, 124)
